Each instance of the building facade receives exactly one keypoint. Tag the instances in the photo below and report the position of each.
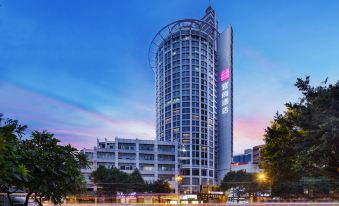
(249, 161)
(243, 158)
(192, 62)
(154, 159)
(256, 154)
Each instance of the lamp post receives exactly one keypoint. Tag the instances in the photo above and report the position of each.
(263, 178)
(178, 179)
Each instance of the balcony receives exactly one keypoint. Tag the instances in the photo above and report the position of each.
(148, 148)
(146, 157)
(129, 157)
(146, 168)
(166, 158)
(127, 147)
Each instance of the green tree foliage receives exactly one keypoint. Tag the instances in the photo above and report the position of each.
(12, 171)
(136, 182)
(240, 183)
(159, 186)
(319, 119)
(38, 165)
(55, 170)
(110, 181)
(278, 155)
(304, 140)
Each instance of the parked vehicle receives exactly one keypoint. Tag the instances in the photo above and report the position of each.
(16, 200)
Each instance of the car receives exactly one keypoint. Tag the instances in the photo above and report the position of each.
(20, 201)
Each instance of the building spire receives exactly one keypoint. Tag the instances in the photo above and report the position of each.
(210, 16)
(209, 8)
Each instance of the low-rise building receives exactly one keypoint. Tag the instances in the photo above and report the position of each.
(256, 154)
(249, 161)
(154, 159)
(243, 158)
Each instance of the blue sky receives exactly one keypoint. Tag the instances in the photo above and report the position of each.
(80, 68)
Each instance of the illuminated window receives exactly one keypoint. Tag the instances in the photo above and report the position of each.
(176, 130)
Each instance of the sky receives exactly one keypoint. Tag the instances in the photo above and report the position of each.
(80, 70)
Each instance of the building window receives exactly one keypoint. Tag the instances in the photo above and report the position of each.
(126, 146)
(147, 167)
(166, 167)
(127, 166)
(162, 157)
(126, 156)
(146, 156)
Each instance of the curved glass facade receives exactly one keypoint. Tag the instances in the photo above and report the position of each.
(186, 102)
(194, 97)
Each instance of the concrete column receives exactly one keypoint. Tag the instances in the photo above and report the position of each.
(137, 163)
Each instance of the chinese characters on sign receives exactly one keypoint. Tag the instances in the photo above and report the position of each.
(225, 74)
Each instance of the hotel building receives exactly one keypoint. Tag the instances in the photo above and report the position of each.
(192, 63)
(193, 66)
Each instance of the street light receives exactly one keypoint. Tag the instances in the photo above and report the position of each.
(178, 178)
(262, 177)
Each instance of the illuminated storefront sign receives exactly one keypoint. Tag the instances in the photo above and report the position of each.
(225, 74)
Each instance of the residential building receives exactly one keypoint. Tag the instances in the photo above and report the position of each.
(154, 159)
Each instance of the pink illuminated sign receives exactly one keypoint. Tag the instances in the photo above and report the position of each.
(225, 74)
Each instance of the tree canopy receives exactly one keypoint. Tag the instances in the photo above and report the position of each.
(240, 183)
(304, 140)
(110, 181)
(12, 171)
(54, 169)
(38, 165)
(136, 182)
(159, 186)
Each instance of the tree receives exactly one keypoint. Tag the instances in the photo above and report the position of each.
(278, 154)
(159, 186)
(12, 171)
(318, 147)
(304, 140)
(110, 180)
(38, 165)
(240, 182)
(101, 176)
(54, 169)
(136, 182)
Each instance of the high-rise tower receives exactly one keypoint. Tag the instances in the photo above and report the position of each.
(192, 62)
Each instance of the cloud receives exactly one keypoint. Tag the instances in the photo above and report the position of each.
(262, 86)
(250, 126)
(248, 132)
(71, 123)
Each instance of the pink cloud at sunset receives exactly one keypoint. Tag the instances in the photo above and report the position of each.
(249, 131)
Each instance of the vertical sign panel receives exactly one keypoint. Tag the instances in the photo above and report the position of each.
(225, 103)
